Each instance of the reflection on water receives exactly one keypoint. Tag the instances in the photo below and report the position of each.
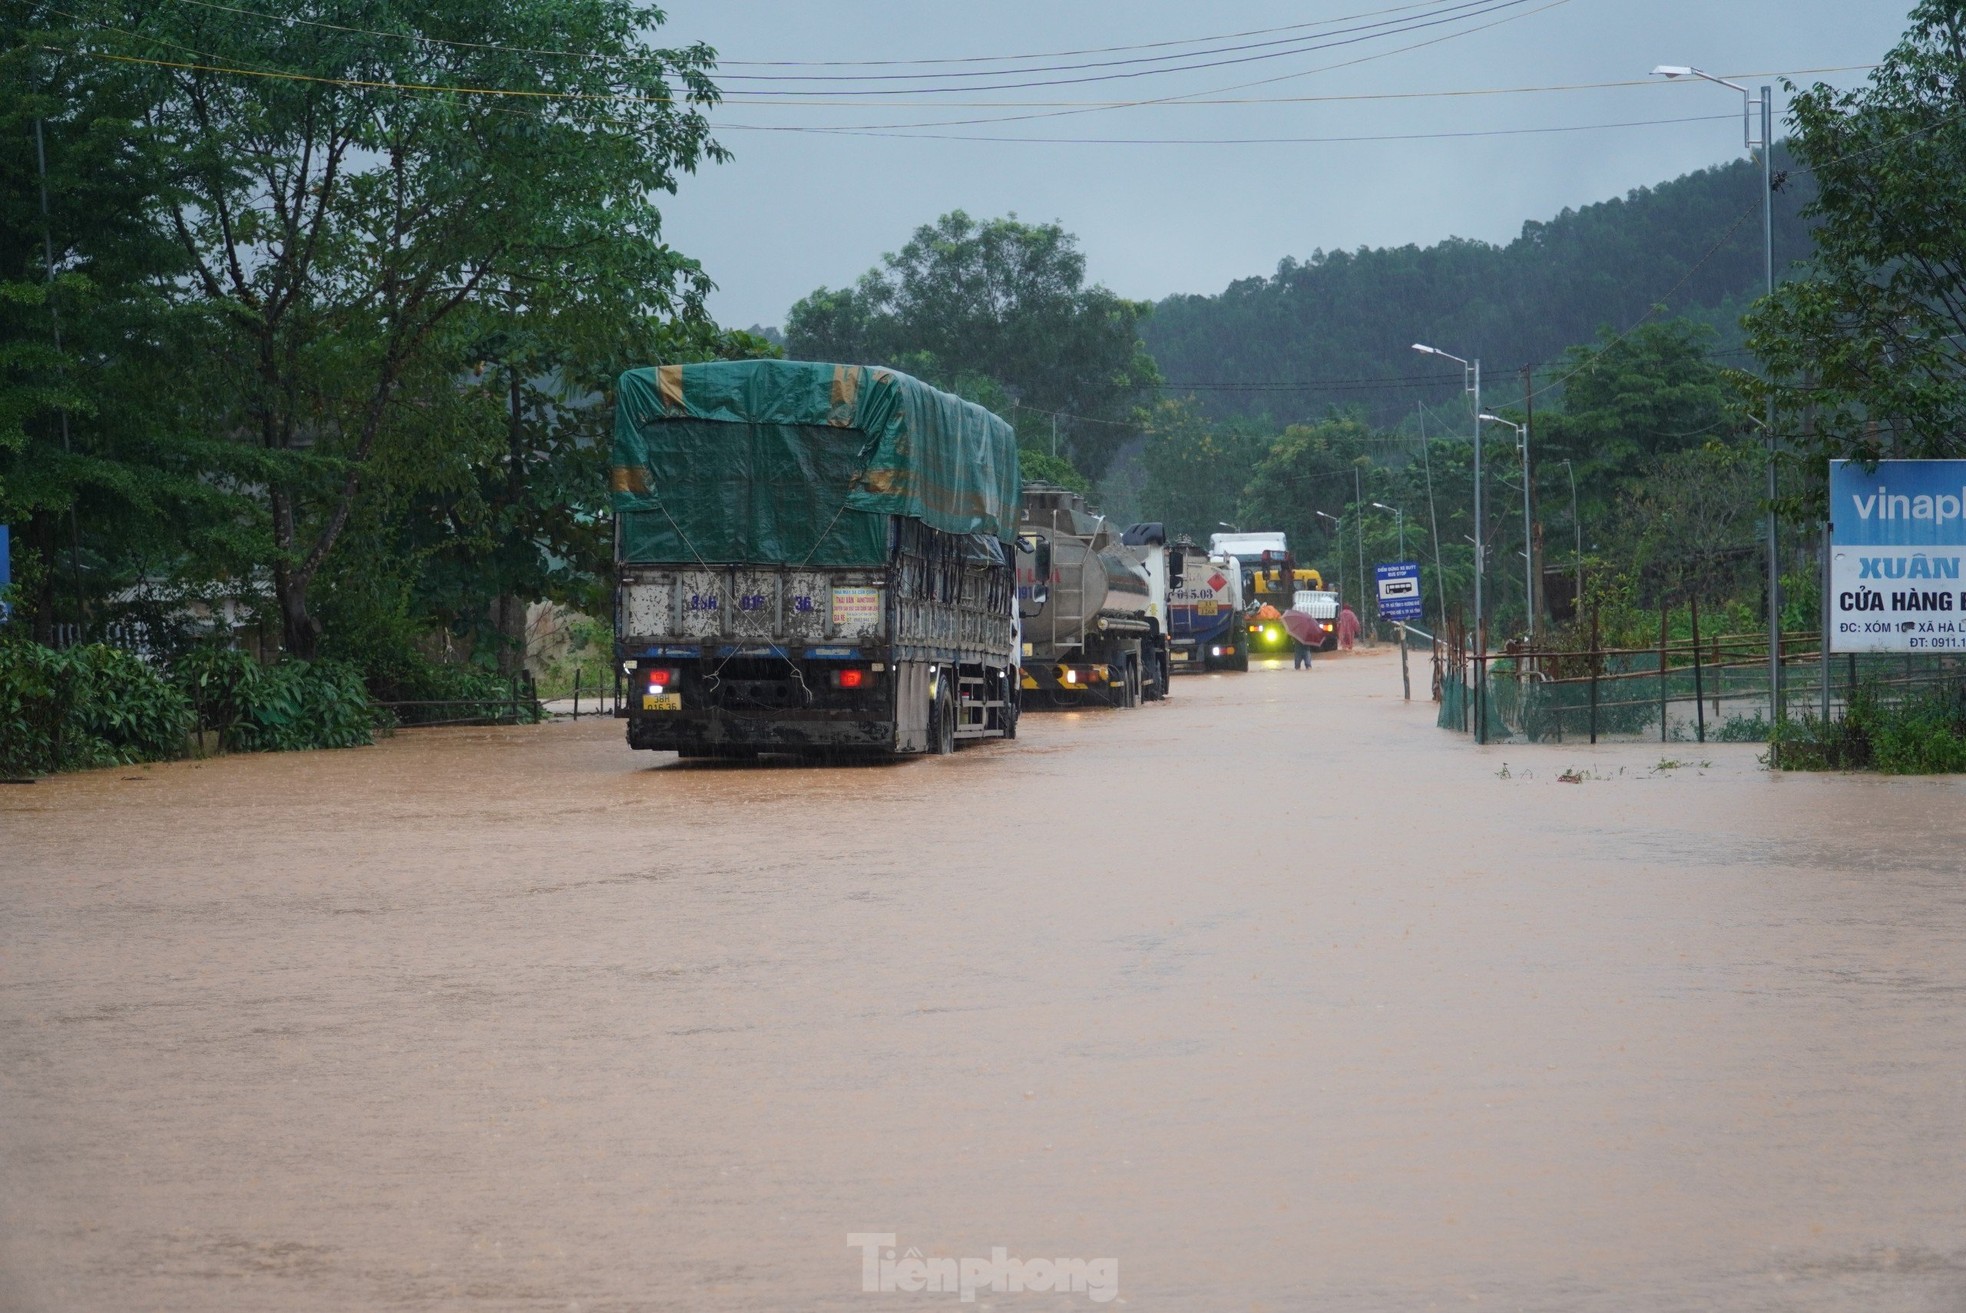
(1273, 993)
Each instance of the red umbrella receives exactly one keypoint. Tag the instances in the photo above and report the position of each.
(1304, 628)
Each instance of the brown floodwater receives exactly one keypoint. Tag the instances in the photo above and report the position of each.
(1273, 995)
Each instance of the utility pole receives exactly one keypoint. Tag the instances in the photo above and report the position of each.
(1777, 708)
(1433, 520)
(1533, 537)
(1358, 504)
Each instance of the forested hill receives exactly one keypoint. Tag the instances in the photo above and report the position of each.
(1353, 315)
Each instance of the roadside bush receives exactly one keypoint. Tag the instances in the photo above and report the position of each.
(88, 706)
(1921, 734)
(287, 706)
(1740, 729)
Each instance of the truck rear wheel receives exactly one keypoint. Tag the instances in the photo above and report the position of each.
(1130, 683)
(942, 721)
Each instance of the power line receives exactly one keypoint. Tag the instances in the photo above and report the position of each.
(291, 20)
(1446, 13)
(610, 97)
(1301, 45)
(1054, 54)
(1204, 101)
(771, 102)
(1239, 86)
(1315, 384)
(1209, 141)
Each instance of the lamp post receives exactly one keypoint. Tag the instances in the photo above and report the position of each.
(1471, 384)
(1577, 526)
(1338, 533)
(1528, 547)
(1766, 100)
(1379, 505)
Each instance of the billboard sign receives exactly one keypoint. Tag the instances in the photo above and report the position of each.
(1399, 590)
(1897, 541)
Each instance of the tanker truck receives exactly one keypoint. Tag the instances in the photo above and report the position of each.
(1164, 563)
(811, 558)
(1091, 621)
(1271, 580)
(1205, 628)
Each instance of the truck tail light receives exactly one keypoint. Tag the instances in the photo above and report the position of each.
(659, 678)
(849, 678)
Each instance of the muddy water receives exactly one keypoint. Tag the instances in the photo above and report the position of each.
(1273, 994)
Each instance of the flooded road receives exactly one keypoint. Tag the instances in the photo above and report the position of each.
(1273, 995)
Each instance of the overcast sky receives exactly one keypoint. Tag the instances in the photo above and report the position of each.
(799, 209)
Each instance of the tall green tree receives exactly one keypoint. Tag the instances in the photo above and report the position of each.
(1628, 402)
(1002, 299)
(103, 469)
(1196, 468)
(337, 216)
(1868, 352)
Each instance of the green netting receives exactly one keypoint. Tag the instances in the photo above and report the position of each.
(790, 462)
(1722, 703)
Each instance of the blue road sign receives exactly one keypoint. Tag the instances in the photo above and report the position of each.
(1399, 590)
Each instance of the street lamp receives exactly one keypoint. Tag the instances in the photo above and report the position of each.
(1766, 144)
(1402, 525)
(1577, 526)
(1337, 532)
(1471, 384)
(1528, 547)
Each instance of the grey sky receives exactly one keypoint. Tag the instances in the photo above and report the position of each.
(796, 210)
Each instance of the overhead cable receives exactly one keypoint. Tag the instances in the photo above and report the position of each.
(1210, 141)
(1177, 63)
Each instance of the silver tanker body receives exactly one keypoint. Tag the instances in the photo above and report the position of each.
(1091, 626)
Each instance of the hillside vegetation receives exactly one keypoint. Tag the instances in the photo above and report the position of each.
(1692, 245)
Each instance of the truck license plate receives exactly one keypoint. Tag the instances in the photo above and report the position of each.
(662, 702)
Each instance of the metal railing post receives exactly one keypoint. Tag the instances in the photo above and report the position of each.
(1699, 692)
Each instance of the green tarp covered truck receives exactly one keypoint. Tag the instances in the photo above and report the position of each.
(811, 558)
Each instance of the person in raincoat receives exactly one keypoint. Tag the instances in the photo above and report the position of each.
(1348, 627)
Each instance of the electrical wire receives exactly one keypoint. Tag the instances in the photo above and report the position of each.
(1211, 141)
(1443, 13)
(772, 102)
(1396, 26)
(765, 99)
(290, 20)
(1239, 86)
(1331, 41)
(821, 130)
(1054, 54)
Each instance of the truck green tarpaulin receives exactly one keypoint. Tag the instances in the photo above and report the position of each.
(791, 462)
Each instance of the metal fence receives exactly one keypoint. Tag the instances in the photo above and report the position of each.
(519, 704)
(1679, 691)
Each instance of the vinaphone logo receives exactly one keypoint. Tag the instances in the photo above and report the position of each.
(1887, 505)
